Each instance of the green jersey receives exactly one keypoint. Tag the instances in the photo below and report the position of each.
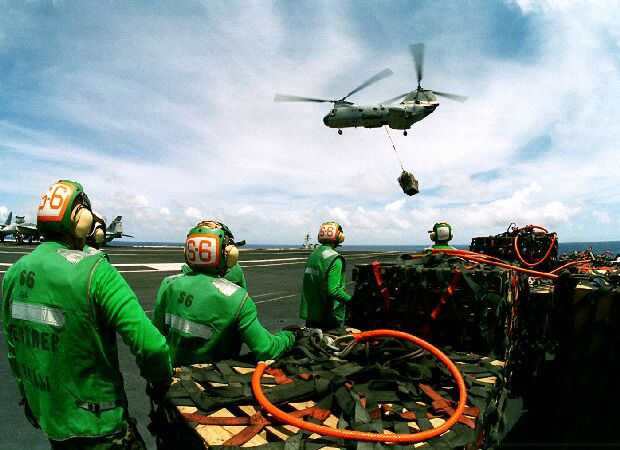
(61, 310)
(323, 294)
(235, 274)
(207, 318)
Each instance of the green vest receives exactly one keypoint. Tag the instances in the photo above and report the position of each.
(64, 361)
(201, 313)
(235, 274)
(316, 305)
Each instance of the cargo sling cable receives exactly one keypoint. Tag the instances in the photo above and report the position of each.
(363, 435)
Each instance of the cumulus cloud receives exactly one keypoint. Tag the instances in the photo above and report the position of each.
(166, 131)
(395, 206)
(601, 217)
(193, 213)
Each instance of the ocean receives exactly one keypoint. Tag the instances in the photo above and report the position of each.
(564, 247)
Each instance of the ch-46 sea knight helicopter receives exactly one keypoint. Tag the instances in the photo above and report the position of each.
(416, 105)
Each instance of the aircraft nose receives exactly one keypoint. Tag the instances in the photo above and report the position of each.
(325, 120)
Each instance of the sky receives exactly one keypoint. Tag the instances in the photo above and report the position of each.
(164, 112)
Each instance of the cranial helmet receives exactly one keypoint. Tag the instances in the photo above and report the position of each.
(441, 232)
(331, 233)
(65, 208)
(209, 248)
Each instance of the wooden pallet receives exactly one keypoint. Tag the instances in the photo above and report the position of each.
(215, 435)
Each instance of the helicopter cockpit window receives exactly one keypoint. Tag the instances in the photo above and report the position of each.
(332, 112)
(360, 110)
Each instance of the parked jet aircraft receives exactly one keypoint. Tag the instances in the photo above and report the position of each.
(115, 230)
(6, 229)
(25, 230)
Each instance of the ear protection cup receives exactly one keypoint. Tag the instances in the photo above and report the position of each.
(82, 221)
(99, 236)
(443, 233)
(340, 238)
(231, 253)
(432, 236)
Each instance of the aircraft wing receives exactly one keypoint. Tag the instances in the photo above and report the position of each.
(28, 228)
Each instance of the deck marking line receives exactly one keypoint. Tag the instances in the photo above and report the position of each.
(276, 298)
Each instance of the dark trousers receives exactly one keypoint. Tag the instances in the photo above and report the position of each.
(128, 439)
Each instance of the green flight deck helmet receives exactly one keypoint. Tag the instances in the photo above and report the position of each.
(441, 234)
(208, 248)
(63, 208)
(331, 233)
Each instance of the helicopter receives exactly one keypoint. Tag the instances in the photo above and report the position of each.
(415, 106)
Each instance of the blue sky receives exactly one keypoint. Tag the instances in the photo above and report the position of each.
(164, 112)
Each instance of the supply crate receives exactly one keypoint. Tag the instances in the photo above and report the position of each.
(396, 391)
(468, 307)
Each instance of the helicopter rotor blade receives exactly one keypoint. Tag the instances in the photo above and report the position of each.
(417, 51)
(393, 99)
(380, 76)
(458, 98)
(295, 98)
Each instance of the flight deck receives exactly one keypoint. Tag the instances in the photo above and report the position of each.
(273, 278)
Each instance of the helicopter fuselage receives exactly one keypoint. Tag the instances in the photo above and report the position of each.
(399, 117)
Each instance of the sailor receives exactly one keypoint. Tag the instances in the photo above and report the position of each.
(62, 306)
(323, 295)
(206, 317)
(441, 234)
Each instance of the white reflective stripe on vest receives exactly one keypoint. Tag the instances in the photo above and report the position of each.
(313, 272)
(38, 314)
(187, 326)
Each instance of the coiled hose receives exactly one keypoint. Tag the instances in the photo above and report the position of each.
(364, 435)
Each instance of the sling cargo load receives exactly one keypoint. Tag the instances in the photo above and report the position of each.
(384, 386)
(532, 347)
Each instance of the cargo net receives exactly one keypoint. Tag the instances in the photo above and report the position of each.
(531, 246)
(450, 302)
(606, 263)
(385, 385)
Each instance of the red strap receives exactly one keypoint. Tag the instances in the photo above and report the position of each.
(426, 328)
(385, 293)
(440, 404)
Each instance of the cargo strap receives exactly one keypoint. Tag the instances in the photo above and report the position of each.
(254, 424)
(364, 393)
(442, 301)
(384, 291)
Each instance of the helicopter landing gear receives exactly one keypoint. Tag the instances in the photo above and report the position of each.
(340, 132)
(405, 133)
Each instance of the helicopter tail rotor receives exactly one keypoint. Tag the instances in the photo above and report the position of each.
(458, 98)
(417, 51)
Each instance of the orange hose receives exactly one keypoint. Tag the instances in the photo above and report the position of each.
(364, 435)
(479, 257)
(572, 263)
(518, 253)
